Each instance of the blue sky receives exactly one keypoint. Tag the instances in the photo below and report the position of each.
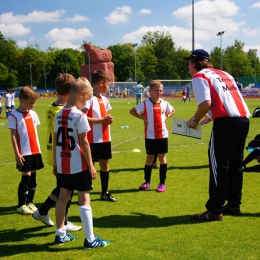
(67, 23)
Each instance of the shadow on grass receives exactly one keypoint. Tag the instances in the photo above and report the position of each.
(169, 168)
(126, 170)
(8, 210)
(118, 192)
(13, 236)
(188, 167)
(11, 250)
(139, 220)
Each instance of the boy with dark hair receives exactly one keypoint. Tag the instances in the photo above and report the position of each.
(73, 164)
(23, 124)
(62, 86)
(99, 136)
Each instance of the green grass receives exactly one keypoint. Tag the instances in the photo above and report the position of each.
(142, 224)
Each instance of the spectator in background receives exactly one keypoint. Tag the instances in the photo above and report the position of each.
(188, 92)
(239, 85)
(8, 102)
(138, 89)
(12, 100)
(184, 95)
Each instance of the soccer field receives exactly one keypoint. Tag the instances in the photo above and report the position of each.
(142, 224)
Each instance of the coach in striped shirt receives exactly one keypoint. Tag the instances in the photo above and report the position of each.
(220, 100)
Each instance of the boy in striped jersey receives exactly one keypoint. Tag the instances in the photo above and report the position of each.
(63, 82)
(154, 111)
(23, 124)
(99, 136)
(73, 164)
(220, 100)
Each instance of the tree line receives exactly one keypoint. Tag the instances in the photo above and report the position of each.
(156, 57)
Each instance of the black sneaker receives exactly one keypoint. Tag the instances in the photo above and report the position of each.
(154, 165)
(107, 197)
(226, 210)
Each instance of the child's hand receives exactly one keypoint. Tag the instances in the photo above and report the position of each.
(54, 170)
(145, 121)
(108, 119)
(19, 159)
(93, 172)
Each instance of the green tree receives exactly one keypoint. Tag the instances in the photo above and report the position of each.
(182, 71)
(64, 61)
(235, 60)
(148, 62)
(165, 51)
(4, 73)
(123, 57)
(30, 65)
(8, 54)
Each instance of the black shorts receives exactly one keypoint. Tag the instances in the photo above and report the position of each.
(101, 151)
(155, 146)
(78, 181)
(31, 163)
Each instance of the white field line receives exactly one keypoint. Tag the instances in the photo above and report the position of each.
(172, 146)
(126, 151)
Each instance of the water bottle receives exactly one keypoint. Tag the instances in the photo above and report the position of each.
(124, 126)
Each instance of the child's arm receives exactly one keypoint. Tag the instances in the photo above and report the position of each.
(134, 113)
(54, 154)
(107, 119)
(18, 157)
(87, 154)
(168, 115)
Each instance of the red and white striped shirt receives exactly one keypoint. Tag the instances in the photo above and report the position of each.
(219, 87)
(98, 107)
(25, 124)
(69, 123)
(155, 114)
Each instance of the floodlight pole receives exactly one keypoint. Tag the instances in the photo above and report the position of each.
(44, 73)
(31, 73)
(134, 45)
(220, 34)
(129, 65)
(193, 37)
(255, 51)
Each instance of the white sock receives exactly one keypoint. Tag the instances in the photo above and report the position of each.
(87, 221)
(61, 232)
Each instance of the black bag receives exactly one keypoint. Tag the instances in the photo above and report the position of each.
(254, 143)
(256, 112)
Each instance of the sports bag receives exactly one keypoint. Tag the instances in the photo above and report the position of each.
(256, 112)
